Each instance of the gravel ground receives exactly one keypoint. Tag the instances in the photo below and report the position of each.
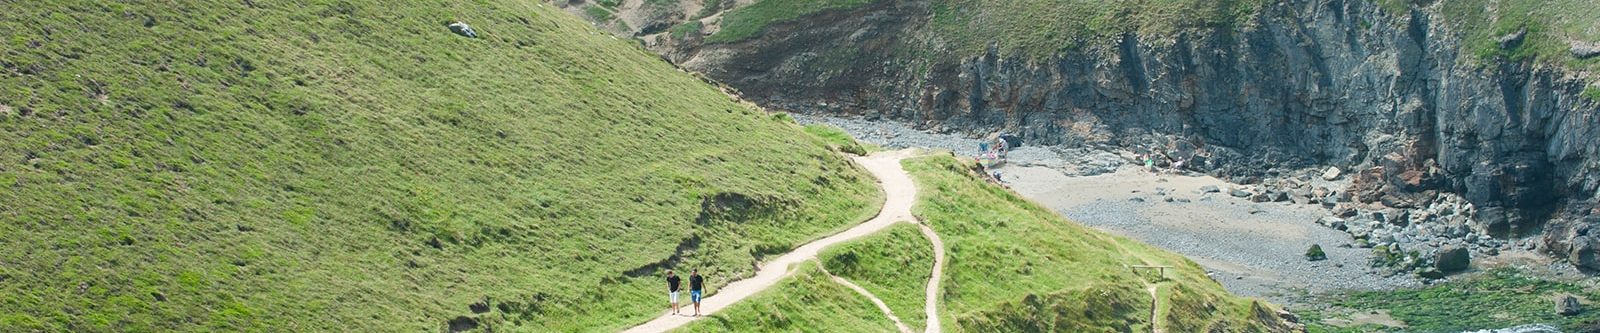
(1253, 249)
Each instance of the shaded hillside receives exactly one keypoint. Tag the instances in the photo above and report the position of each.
(353, 166)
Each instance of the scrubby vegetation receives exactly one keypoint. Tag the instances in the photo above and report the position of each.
(1550, 25)
(1499, 299)
(346, 166)
(807, 301)
(684, 30)
(1042, 28)
(749, 21)
(1592, 93)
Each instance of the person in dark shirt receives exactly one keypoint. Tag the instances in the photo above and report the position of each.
(672, 289)
(696, 286)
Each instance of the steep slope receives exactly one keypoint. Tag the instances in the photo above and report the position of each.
(354, 166)
(1493, 101)
(1016, 266)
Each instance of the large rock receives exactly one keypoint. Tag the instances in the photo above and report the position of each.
(1238, 193)
(1584, 252)
(1261, 197)
(1512, 40)
(1568, 305)
(1332, 174)
(1332, 222)
(1585, 50)
(1452, 259)
(463, 29)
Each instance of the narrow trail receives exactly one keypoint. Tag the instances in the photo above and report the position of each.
(875, 301)
(931, 303)
(1155, 306)
(899, 194)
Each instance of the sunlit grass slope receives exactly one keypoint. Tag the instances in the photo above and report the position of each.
(1015, 266)
(353, 166)
(806, 301)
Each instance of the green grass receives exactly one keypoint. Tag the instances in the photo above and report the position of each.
(346, 166)
(707, 8)
(1591, 93)
(686, 29)
(598, 13)
(894, 265)
(1016, 266)
(749, 21)
(1550, 23)
(1044, 28)
(838, 139)
(806, 301)
(1501, 298)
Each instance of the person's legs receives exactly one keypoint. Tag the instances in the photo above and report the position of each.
(674, 296)
(694, 296)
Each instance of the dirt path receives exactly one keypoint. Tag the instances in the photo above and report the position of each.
(931, 303)
(875, 301)
(899, 193)
(1155, 309)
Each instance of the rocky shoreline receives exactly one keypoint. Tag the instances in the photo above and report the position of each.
(1374, 240)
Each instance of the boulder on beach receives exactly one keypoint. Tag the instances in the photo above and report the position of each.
(1315, 253)
(1332, 174)
(1452, 259)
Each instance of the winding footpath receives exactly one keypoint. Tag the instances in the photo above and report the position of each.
(875, 301)
(899, 194)
(931, 305)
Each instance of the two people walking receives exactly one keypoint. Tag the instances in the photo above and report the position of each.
(696, 288)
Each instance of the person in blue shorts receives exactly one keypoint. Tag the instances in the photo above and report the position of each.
(697, 286)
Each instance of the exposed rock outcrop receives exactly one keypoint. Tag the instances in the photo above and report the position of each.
(1302, 83)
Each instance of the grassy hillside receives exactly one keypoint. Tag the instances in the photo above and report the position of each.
(1551, 25)
(894, 265)
(1013, 266)
(807, 301)
(1016, 266)
(351, 166)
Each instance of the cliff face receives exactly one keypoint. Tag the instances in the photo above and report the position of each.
(1302, 83)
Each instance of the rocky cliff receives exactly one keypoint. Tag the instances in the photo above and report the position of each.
(1388, 94)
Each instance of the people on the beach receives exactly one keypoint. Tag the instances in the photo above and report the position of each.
(696, 286)
(672, 290)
